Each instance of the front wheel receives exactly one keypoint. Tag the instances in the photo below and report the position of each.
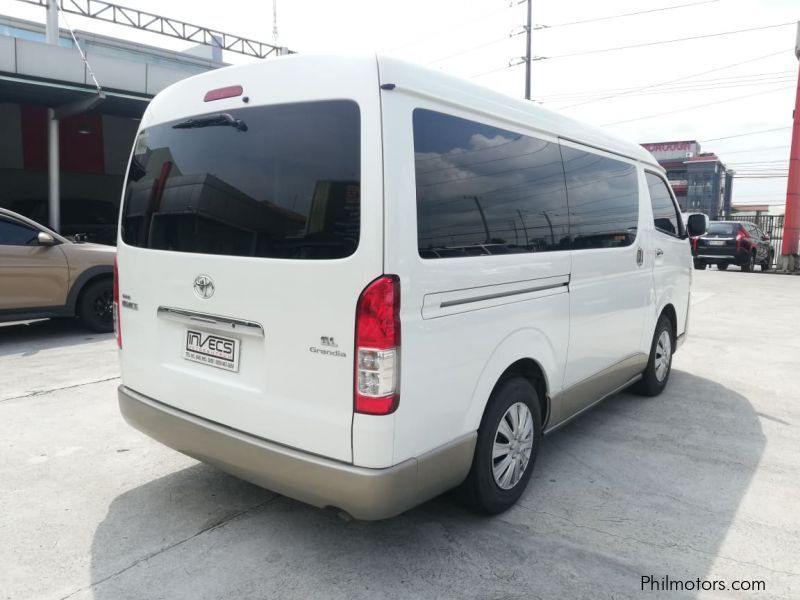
(659, 365)
(722, 266)
(508, 441)
(767, 263)
(750, 264)
(95, 306)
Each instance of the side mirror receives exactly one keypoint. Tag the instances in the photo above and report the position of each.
(696, 225)
(45, 239)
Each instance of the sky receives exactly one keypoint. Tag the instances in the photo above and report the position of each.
(702, 89)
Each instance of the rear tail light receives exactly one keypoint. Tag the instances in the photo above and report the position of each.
(740, 235)
(377, 354)
(115, 307)
(694, 242)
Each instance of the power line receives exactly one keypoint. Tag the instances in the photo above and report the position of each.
(677, 110)
(738, 135)
(671, 85)
(451, 27)
(509, 66)
(630, 14)
(762, 149)
(683, 77)
(661, 42)
(471, 49)
(689, 87)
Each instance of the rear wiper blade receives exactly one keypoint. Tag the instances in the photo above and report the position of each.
(219, 120)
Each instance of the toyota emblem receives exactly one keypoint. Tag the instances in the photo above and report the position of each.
(203, 286)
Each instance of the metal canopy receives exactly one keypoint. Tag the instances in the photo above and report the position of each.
(49, 94)
(130, 17)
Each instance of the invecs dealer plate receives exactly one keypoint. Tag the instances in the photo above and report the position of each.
(212, 350)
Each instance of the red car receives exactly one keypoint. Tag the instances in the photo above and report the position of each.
(732, 243)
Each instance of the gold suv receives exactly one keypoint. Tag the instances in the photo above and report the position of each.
(43, 274)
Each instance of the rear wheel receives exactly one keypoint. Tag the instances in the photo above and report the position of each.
(722, 266)
(659, 365)
(95, 306)
(508, 441)
(750, 264)
(699, 265)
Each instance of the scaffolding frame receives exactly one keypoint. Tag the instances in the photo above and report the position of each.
(145, 21)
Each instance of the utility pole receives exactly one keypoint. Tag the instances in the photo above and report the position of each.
(528, 31)
(791, 230)
(275, 22)
(53, 170)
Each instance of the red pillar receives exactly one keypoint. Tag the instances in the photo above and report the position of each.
(791, 226)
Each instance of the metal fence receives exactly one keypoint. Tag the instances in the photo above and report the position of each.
(772, 225)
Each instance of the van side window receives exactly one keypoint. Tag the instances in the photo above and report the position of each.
(603, 200)
(483, 190)
(666, 217)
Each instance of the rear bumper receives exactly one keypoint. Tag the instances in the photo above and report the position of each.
(721, 256)
(368, 494)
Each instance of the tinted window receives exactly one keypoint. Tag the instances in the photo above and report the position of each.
(279, 181)
(16, 234)
(718, 228)
(603, 200)
(483, 190)
(665, 215)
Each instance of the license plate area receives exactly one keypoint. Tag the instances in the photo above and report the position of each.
(716, 242)
(212, 350)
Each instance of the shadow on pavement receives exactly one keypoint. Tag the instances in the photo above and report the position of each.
(637, 486)
(30, 337)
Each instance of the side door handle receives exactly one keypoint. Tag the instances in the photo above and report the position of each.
(659, 252)
(639, 257)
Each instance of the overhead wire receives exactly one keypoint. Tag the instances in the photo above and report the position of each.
(738, 135)
(661, 42)
(630, 14)
(698, 86)
(696, 106)
(682, 78)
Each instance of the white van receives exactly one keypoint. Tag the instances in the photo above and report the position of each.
(361, 283)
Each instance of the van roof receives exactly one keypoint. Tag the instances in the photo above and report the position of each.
(454, 90)
(413, 79)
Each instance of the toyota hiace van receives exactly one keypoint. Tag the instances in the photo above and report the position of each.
(361, 283)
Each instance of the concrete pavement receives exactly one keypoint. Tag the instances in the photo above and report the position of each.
(701, 482)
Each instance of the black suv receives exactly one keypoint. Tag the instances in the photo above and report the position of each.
(732, 243)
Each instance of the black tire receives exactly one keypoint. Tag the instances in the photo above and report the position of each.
(480, 491)
(95, 306)
(699, 265)
(651, 384)
(722, 266)
(767, 263)
(750, 264)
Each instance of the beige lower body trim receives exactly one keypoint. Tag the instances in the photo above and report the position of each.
(584, 394)
(368, 494)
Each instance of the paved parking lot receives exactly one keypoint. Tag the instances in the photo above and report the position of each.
(701, 482)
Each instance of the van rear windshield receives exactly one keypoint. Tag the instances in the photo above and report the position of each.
(275, 182)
